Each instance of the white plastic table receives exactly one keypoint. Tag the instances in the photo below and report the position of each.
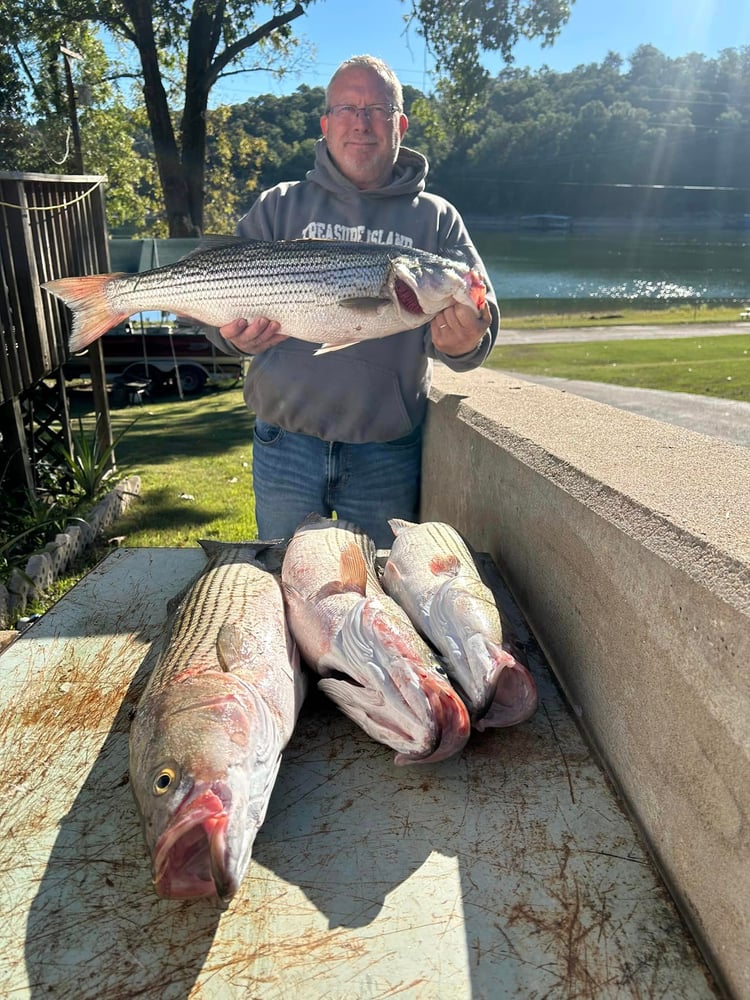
(509, 871)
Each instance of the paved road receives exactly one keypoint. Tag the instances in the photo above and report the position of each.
(720, 418)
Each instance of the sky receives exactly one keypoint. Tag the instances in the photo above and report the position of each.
(341, 28)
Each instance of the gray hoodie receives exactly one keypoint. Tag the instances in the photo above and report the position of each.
(375, 390)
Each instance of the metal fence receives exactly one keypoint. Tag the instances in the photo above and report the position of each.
(50, 226)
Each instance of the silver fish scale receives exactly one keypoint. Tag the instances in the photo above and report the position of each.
(304, 271)
(204, 610)
(438, 538)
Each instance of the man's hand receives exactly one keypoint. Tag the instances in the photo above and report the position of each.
(458, 330)
(254, 337)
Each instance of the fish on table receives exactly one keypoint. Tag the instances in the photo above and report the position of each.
(431, 573)
(370, 659)
(351, 291)
(212, 722)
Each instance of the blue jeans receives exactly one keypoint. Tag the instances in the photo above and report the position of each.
(295, 475)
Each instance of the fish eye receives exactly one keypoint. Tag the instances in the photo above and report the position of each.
(164, 780)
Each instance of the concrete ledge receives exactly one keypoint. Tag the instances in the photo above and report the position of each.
(626, 542)
(43, 568)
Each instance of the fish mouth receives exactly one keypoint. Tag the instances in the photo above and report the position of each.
(515, 699)
(190, 859)
(477, 673)
(452, 723)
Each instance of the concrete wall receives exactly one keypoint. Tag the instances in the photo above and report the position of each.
(626, 542)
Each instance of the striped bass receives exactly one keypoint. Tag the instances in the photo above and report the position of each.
(322, 291)
(371, 661)
(209, 729)
(432, 574)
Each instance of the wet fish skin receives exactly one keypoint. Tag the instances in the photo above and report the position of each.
(431, 573)
(211, 724)
(371, 661)
(321, 291)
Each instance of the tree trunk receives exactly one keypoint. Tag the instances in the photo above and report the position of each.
(203, 39)
(182, 174)
(166, 152)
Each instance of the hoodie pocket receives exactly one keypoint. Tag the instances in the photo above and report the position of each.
(346, 399)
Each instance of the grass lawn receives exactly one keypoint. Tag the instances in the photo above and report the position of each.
(194, 459)
(708, 366)
(625, 316)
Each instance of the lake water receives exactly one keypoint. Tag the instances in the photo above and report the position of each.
(605, 269)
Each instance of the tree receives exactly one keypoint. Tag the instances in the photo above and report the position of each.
(233, 167)
(13, 134)
(194, 42)
(203, 39)
(459, 31)
(39, 135)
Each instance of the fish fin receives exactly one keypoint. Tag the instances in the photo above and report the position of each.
(220, 241)
(398, 524)
(353, 569)
(329, 348)
(291, 593)
(331, 590)
(364, 303)
(229, 647)
(392, 580)
(85, 297)
(315, 518)
(215, 241)
(449, 564)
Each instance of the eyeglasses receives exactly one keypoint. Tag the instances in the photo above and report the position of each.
(373, 112)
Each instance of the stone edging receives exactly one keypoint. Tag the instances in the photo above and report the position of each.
(43, 568)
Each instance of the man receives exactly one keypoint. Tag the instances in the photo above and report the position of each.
(343, 431)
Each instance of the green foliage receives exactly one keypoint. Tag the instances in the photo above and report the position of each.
(89, 465)
(290, 126)
(29, 520)
(590, 142)
(183, 49)
(459, 31)
(41, 139)
(660, 137)
(63, 493)
(26, 527)
(232, 171)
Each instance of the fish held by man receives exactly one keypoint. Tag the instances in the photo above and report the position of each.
(431, 573)
(371, 661)
(210, 727)
(321, 291)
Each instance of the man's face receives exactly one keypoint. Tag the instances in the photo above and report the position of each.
(363, 148)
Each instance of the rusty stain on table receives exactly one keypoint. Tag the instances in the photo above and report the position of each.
(510, 871)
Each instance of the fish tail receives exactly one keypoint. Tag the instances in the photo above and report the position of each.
(86, 297)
